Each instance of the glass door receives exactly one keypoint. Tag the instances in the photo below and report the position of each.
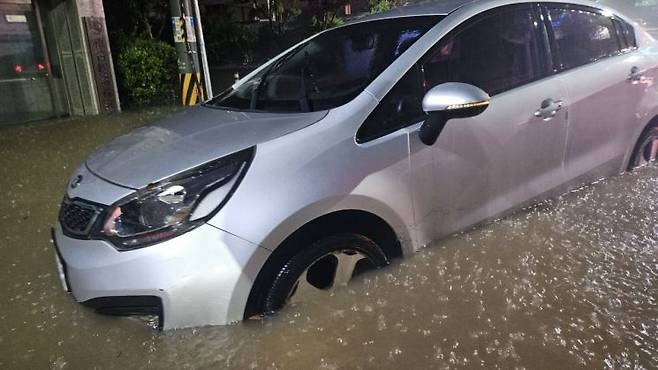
(25, 93)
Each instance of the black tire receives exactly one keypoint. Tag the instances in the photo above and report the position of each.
(642, 152)
(286, 279)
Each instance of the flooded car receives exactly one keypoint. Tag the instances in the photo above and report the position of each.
(359, 145)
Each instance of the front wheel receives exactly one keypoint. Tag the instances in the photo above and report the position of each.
(646, 149)
(321, 267)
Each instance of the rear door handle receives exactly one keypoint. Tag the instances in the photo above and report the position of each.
(549, 109)
(635, 75)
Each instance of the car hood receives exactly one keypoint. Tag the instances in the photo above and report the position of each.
(186, 140)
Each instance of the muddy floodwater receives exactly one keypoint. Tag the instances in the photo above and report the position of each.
(571, 283)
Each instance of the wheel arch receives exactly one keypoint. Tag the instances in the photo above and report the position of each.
(355, 221)
(652, 123)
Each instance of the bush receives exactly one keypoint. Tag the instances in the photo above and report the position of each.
(148, 72)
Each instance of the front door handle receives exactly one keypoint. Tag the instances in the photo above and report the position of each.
(635, 75)
(549, 109)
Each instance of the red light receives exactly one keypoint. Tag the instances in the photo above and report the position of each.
(40, 67)
(18, 68)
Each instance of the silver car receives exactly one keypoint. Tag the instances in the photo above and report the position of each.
(359, 145)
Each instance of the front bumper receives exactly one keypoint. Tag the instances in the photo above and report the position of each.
(202, 277)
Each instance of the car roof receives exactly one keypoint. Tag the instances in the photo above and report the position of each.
(420, 8)
(443, 7)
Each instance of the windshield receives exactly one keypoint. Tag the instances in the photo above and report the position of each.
(329, 70)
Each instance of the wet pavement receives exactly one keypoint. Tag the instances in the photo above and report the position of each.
(571, 283)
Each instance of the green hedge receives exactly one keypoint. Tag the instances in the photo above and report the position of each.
(148, 73)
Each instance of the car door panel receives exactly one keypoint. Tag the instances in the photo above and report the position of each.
(486, 165)
(602, 114)
(505, 157)
(594, 61)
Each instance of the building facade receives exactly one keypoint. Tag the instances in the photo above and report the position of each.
(55, 60)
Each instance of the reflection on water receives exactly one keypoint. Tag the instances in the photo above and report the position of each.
(572, 282)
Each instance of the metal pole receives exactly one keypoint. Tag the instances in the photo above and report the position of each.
(186, 50)
(202, 49)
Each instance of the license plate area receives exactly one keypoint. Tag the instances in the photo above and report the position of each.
(61, 265)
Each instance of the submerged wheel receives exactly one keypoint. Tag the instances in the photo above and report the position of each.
(646, 150)
(321, 267)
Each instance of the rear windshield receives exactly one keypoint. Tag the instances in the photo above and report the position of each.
(329, 70)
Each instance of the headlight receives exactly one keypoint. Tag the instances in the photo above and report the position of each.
(175, 205)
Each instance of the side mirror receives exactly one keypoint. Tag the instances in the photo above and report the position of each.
(447, 101)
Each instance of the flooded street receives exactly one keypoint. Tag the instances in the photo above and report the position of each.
(570, 283)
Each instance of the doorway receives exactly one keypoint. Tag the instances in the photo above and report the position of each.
(25, 89)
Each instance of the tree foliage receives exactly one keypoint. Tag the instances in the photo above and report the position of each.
(327, 14)
(145, 18)
(228, 41)
(377, 6)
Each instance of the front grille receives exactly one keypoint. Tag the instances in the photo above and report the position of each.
(78, 217)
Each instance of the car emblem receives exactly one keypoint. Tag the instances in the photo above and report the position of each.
(76, 181)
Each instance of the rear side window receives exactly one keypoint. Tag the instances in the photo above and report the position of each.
(627, 34)
(582, 35)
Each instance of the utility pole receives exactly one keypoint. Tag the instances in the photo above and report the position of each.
(186, 50)
(202, 49)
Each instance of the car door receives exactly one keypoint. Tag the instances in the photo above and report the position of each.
(599, 67)
(485, 165)
(511, 153)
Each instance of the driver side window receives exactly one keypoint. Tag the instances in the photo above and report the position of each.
(401, 107)
(496, 51)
